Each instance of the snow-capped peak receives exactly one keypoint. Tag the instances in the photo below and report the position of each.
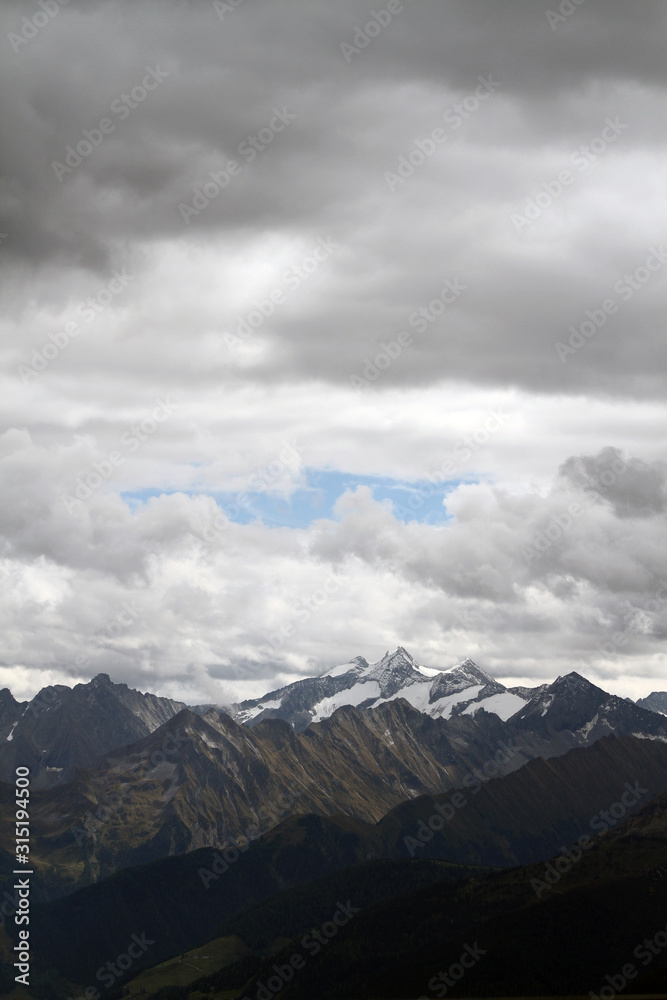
(393, 672)
(466, 670)
(398, 658)
(439, 692)
(467, 662)
(358, 665)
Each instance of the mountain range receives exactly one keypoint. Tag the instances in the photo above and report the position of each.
(206, 780)
(520, 819)
(655, 702)
(401, 785)
(64, 728)
(461, 689)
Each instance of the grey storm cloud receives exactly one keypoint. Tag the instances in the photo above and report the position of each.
(632, 487)
(219, 81)
(194, 590)
(358, 230)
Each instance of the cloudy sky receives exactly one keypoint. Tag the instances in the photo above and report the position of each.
(329, 327)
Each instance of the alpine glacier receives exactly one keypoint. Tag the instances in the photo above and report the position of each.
(463, 688)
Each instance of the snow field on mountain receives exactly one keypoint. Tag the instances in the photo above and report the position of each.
(505, 705)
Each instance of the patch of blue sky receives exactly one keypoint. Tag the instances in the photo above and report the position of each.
(420, 501)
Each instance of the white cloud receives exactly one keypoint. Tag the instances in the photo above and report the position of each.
(205, 608)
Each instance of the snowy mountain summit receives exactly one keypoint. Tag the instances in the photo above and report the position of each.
(462, 689)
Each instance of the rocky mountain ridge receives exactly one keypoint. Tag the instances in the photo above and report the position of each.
(441, 693)
(201, 781)
(655, 702)
(521, 818)
(63, 728)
